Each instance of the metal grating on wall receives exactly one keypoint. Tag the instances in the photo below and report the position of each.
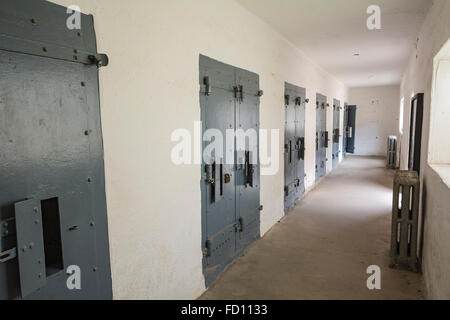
(392, 152)
(405, 213)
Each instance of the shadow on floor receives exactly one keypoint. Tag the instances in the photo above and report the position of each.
(322, 249)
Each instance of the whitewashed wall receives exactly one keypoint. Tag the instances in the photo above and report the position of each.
(436, 193)
(376, 118)
(150, 89)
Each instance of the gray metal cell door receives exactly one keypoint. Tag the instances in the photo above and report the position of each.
(229, 99)
(52, 184)
(322, 138)
(336, 132)
(351, 129)
(294, 155)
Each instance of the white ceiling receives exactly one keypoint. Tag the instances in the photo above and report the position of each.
(331, 31)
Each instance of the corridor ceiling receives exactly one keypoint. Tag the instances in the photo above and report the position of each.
(334, 34)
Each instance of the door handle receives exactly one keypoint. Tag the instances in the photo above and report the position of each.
(248, 169)
(327, 139)
(301, 148)
(241, 224)
(215, 178)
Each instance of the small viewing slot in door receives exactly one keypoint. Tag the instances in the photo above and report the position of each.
(51, 224)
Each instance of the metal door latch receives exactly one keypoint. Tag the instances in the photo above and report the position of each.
(207, 85)
(207, 249)
(241, 224)
(238, 93)
(287, 98)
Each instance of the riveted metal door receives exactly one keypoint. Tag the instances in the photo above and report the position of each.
(229, 99)
(52, 184)
(321, 136)
(336, 132)
(248, 170)
(295, 100)
(351, 129)
(219, 196)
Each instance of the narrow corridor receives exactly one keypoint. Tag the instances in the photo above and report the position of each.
(323, 247)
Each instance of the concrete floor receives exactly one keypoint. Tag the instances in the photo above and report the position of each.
(323, 247)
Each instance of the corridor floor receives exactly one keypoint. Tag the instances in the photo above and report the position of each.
(323, 247)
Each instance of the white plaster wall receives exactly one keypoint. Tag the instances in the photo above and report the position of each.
(436, 255)
(150, 89)
(439, 150)
(376, 117)
(435, 202)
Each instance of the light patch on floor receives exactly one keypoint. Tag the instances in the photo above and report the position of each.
(323, 247)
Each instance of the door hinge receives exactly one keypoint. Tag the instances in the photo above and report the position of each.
(100, 60)
(7, 227)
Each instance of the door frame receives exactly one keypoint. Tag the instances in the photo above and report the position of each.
(415, 133)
